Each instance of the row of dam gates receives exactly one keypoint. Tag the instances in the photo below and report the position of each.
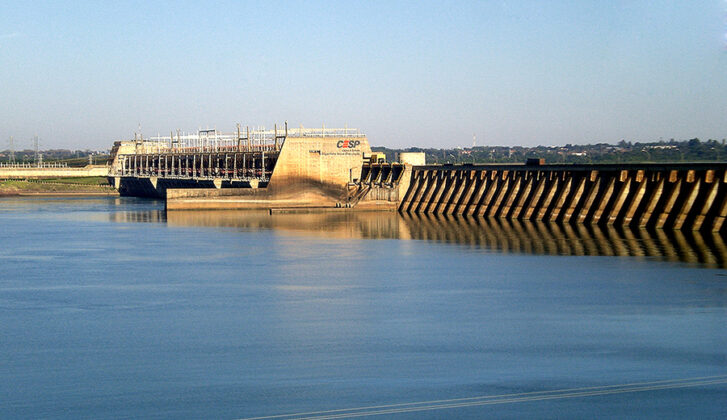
(672, 196)
(284, 169)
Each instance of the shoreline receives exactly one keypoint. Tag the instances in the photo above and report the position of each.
(56, 187)
(58, 193)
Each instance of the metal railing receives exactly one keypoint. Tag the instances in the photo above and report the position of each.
(244, 139)
(324, 132)
(35, 165)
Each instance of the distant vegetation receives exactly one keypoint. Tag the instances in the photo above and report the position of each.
(73, 158)
(624, 151)
(83, 180)
(663, 151)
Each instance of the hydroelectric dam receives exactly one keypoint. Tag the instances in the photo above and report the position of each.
(333, 169)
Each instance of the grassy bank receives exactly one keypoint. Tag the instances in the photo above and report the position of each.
(89, 185)
(85, 180)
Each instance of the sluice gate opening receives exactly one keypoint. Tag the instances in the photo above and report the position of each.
(382, 173)
(379, 183)
(233, 165)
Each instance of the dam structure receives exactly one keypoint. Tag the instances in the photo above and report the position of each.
(206, 159)
(329, 169)
(246, 169)
(689, 196)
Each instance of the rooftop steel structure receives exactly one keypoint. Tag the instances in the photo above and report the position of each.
(242, 140)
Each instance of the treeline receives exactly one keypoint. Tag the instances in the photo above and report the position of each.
(69, 157)
(622, 152)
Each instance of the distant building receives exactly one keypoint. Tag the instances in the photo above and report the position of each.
(661, 147)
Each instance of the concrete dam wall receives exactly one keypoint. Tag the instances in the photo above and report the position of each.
(20, 172)
(672, 196)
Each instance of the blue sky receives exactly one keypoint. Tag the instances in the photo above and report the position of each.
(432, 74)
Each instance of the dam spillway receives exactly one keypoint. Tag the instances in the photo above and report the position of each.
(690, 196)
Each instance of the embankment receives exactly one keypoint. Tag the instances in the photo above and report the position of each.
(60, 186)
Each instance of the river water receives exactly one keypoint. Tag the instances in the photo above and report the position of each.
(111, 308)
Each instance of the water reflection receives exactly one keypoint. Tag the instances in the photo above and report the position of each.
(141, 216)
(505, 236)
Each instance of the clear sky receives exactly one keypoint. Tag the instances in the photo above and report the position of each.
(431, 74)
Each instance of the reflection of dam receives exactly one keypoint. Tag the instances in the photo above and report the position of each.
(492, 234)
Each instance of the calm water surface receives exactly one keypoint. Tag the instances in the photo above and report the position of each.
(110, 308)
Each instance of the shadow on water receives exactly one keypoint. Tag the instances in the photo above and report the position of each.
(702, 248)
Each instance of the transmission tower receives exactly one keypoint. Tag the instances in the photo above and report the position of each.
(35, 148)
(11, 146)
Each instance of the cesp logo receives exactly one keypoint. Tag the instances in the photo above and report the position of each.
(348, 144)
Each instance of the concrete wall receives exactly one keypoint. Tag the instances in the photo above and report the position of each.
(413, 158)
(22, 173)
(242, 198)
(326, 162)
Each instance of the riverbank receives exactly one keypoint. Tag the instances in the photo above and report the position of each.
(57, 186)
